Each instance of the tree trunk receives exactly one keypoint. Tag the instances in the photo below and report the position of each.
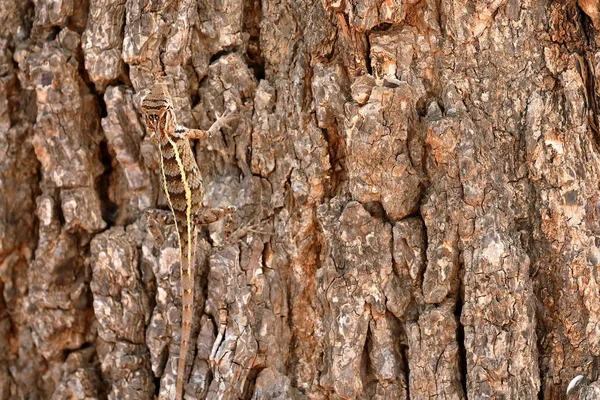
(421, 179)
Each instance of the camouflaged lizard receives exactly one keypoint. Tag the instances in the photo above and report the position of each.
(182, 184)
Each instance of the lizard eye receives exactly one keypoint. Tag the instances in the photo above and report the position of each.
(151, 119)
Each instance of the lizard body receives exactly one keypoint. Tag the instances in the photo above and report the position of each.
(183, 187)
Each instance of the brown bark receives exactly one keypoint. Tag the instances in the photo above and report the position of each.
(424, 174)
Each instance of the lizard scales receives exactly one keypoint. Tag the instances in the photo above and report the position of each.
(182, 184)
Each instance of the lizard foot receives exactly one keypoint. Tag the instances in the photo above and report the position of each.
(222, 121)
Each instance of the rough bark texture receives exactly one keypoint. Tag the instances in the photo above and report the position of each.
(425, 175)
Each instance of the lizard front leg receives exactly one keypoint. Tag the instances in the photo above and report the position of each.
(199, 134)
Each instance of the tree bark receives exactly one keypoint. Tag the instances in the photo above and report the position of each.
(421, 177)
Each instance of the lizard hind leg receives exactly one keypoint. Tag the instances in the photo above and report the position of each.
(245, 230)
(228, 223)
(155, 219)
(208, 216)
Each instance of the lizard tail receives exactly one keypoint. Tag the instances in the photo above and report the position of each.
(187, 315)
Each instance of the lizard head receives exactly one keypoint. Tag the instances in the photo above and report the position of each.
(157, 108)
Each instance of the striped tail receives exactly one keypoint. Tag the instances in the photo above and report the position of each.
(188, 257)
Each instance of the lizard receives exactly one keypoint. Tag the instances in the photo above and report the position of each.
(182, 183)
